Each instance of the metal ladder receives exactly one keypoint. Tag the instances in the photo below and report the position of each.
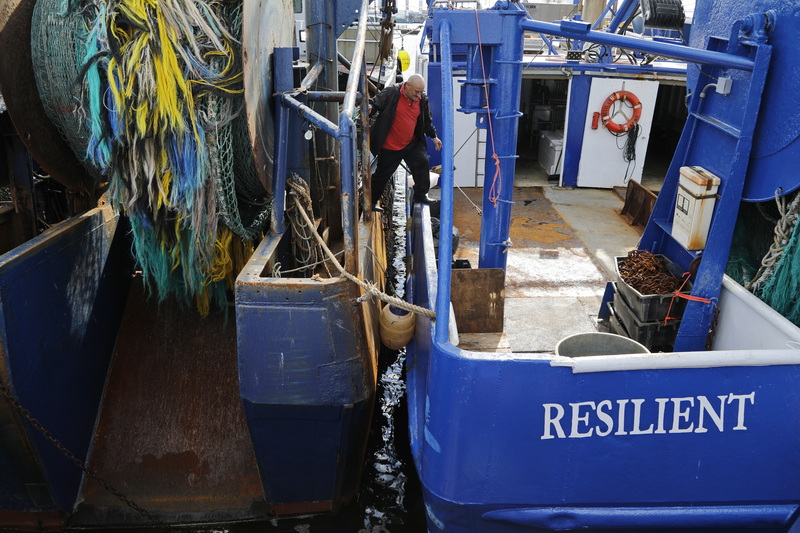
(718, 136)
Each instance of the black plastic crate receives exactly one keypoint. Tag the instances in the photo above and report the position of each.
(653, 307)
(614, 325)
(650, 334)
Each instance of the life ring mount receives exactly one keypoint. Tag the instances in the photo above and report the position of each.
(607, 118)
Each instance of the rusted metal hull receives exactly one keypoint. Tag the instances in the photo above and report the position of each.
(32, 521)
(26, 489)
(61, 300)
(172, 435)
(164, 423)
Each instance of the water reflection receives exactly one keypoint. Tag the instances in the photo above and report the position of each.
(391, 481)
(387, 478)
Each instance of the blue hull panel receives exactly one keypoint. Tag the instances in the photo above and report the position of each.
(517, 442)
(775, 148)
(61, 301)
(320, 448)
(307, 371)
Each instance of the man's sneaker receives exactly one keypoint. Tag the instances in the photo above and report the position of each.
(424, 199)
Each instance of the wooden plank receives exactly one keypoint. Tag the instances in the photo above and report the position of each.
(477, 296)
(484, 342)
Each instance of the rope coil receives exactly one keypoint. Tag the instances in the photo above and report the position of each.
(783, 232)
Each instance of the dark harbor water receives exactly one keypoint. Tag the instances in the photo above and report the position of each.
(390, 500)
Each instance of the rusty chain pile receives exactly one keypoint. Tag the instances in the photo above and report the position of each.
(647, 273)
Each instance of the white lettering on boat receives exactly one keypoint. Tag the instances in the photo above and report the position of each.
(638, 416)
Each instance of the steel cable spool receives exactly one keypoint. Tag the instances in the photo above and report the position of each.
(663, 14)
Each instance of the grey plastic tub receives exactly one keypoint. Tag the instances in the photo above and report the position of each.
(597, 343)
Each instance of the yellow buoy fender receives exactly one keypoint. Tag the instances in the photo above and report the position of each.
(397, 327)
(405, 59)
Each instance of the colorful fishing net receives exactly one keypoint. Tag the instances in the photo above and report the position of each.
(149, 94)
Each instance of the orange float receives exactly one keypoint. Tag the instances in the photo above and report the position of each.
(624, 96)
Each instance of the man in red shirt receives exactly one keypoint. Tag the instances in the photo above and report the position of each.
(398, 134)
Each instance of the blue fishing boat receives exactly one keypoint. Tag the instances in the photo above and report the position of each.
(187, 338)
(684, 421)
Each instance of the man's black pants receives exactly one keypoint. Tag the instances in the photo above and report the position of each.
(416, 157)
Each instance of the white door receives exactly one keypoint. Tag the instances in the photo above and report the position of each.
(603, 161)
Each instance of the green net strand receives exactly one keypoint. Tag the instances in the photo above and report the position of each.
(781, 291)
(99, 147)
(58, 40)
(244, 204)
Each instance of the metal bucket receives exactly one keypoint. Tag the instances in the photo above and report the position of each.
(597, 344)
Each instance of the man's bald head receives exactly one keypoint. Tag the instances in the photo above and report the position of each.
(416, 81)
(414, 86)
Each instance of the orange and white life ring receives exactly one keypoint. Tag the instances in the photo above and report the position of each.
(624, 96)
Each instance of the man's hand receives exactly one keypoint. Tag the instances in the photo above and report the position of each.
(437, 143)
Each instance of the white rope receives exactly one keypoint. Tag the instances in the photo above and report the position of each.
(478, 209)
(783, 232)
(369, 287)
(298, 269)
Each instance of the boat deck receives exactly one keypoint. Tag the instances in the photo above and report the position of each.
(564, 242)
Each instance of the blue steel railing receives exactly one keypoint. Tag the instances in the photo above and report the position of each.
(581, 31)
(344, 133)
(623, 13)
(446, 208)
